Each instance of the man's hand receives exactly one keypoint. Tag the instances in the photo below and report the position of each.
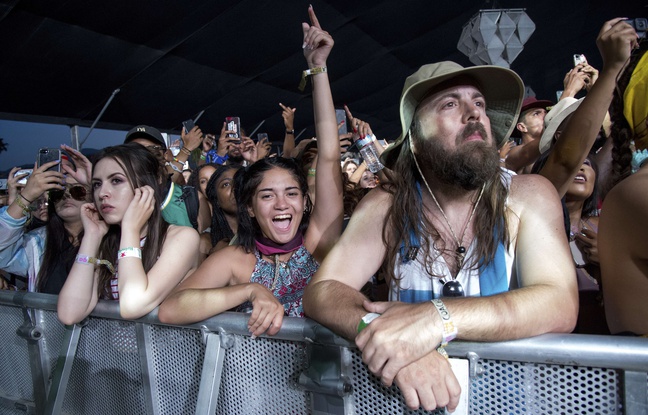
(429, 382)
(192, 139)
(575, 80)
(208, 142)
(225, 142)
(402, 334)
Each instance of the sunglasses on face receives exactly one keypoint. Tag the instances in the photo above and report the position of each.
(75, 191)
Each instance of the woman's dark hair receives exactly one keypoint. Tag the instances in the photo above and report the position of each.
(141, 169)
(194, 177)
(621, 132)
(590, 206)
(246, 182)
(220, 228)
(57, 248)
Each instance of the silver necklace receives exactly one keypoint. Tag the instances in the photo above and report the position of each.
(460, 252)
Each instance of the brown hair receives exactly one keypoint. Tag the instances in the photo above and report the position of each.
(406, 216)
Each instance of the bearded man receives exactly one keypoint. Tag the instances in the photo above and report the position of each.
(468, 250)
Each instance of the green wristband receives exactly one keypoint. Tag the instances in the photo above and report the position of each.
(368, 318)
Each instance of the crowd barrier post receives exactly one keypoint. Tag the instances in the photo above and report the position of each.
(61, 375)
(212, 369)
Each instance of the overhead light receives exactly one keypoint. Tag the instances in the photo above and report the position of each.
(495, 36)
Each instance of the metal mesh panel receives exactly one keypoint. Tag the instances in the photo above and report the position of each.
(106, 377)
(527, 388)
(372, 397)
(15, 370)
(53, 334)
(260, 377)
(176, 356)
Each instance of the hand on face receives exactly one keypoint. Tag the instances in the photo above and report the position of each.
(140, 208)
(93, 224)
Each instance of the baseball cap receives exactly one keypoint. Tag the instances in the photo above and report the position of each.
(145, 131)
(502, 88)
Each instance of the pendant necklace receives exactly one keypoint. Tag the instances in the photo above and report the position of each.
(453, 287)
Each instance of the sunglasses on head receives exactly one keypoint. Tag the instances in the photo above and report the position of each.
(76, 192)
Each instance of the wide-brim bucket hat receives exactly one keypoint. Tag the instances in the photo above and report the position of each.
(502, 88)
(563, 109)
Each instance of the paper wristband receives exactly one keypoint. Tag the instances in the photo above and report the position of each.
(129, 252)
(449, 328)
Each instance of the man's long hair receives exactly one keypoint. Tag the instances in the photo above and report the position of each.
(406, 215)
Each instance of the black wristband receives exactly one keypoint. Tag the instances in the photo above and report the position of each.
(290, 131)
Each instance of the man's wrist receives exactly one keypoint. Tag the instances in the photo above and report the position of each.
(448, 326)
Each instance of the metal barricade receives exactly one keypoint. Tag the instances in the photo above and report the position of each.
(109, 366)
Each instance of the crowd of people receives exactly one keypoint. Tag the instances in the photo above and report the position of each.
(494, 217)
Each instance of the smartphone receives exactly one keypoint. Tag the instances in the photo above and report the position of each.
(579, 58)
(28, 172)
(188, 125)
(340, 115)
(45, 155)
(261, 137)
(234, 124)
(639, 26)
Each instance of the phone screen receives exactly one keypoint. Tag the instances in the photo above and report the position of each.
(188, 125)
(261, 137)
(45, 155)
(234, 124)
(340, 115)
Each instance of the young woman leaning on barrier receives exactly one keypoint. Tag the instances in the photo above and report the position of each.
(280, 241)
(128, 252)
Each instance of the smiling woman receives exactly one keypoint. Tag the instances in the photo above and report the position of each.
(280, 241)
(128, 252)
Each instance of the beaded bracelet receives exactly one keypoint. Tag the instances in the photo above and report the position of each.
(129, 251)
(449, 329)
(89, 260)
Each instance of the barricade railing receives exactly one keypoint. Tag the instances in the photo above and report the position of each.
(110, 366)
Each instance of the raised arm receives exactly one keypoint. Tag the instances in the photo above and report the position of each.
(288, 115)
(615, 41)
(328, 213)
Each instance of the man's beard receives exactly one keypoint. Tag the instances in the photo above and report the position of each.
(469, 166)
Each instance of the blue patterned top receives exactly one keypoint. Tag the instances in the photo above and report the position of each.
(294, 276)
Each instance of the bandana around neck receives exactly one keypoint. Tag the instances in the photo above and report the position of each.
(269, 247)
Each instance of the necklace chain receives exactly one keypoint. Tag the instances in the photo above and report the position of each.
(461, 250)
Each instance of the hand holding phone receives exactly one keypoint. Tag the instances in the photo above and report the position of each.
(579, 58)
(234, 125)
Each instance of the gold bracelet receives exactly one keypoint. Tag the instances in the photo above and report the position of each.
(25, 208)
(309, 72)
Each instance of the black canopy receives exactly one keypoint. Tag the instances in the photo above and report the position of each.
(61, 60)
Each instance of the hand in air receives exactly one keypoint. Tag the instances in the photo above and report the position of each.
(317, 42)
